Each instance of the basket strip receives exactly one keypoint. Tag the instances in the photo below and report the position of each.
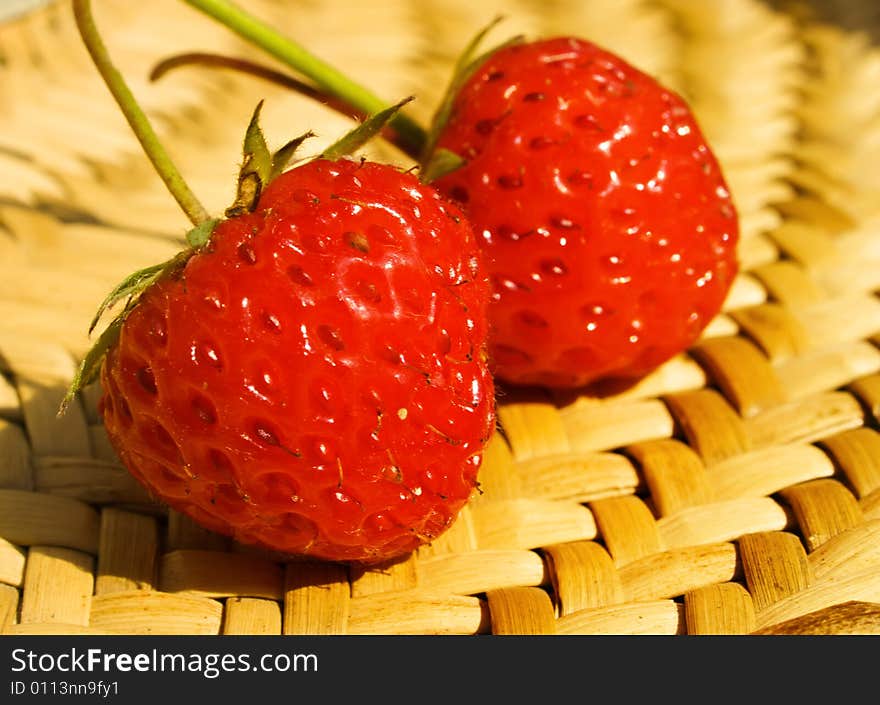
(482, 571)
(143, 612)
(709, 424)
(851, 618)
(721, 521)
(774, 565)
(29, 518)
(316, 599)
(58, 586)
(8, 608)
(627, 527)
(849, 551)
(183, 533)
(787, 284)
(127, 552)
(15, 470)
(823, 508)
(583, 576)
(606, 426)
(12, 561)
(417, 612)
(90, 480)
(530, 523)
(725, 608)
(857, 454)
(674, 474)
(673, 573)
(578, 477)
(805, 421)
(521, 611)
(767, 470)
(220, 574)
(251, 616)
(654, 618)
(863, 587)
(397, 574)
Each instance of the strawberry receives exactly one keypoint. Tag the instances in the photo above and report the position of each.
(310, 374)
(313, 379)
(608, 227)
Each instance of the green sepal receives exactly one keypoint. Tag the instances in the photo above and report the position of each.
(468, 62)
(282, 157)
(201, 233)
(129, 289)
(442, 162)
(364, 132)
(90, 366)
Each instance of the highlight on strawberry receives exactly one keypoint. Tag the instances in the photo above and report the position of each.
(609, 230)
(310, 374)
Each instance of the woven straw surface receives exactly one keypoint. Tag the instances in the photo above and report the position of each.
(736, 490)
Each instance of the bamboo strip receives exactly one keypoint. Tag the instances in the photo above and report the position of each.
(675, 572)
(627, 528)
(788, 283)
(219, 574)
(478, 572)
(725, 608)
(396, 574)
(849, 551)
(867, 391)
(767, 470)
(608, 426)
(88, 480)
(721, 521)
(127, 552)
(580, 477)
(823, 508)
(709, 424)
(15, 470)
(498, 480)
(530, 523)
(827, 369)
(58, 585)
(521, 611)
(417, 612)
(805, 420)
(857, 454)
(583, 576)
(674, 474)
(155, 613)
(29, 518)
(184, 534)
(8, 608)
(742, 373)
(12, 560)
(649, 618)
(10, 408)
(774, 330)
(533, 429)
(317, 599)
(851, 618)
(775, 566)
(862, 587)
(251, 616)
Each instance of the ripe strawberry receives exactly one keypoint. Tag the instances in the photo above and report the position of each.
(314, 379)
(609, 229)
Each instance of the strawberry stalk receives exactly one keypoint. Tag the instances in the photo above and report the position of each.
(412, 136)
(136, 117)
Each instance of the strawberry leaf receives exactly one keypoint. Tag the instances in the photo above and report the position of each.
(200, 234)
(441, 162)
(90, 366)
(256, 168)
(468, 62)
(364, 132)
(282, 157)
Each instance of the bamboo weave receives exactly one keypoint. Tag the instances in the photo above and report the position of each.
(736, 490)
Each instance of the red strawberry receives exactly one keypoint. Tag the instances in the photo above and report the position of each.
(609, 230)
(314, 379)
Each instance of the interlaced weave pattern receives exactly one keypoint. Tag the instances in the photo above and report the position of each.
(736, 490)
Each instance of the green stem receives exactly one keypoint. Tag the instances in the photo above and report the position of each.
(412, 135)
(135, 116)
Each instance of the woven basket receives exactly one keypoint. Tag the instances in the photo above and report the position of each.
(736, 490)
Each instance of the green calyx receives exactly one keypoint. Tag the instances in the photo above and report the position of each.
(259, 167)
